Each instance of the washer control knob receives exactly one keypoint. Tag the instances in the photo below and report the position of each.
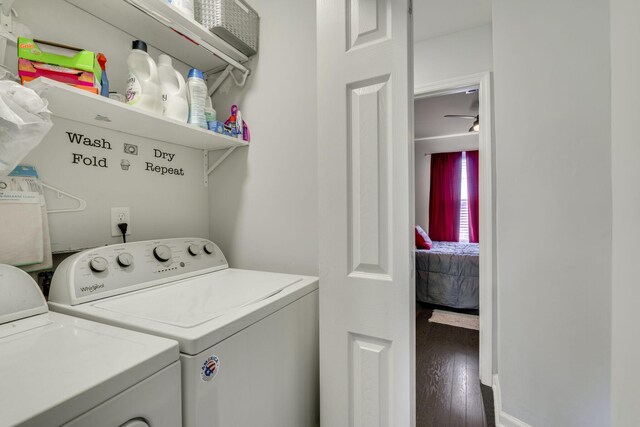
(98, 264)
(162, 253)
(195, 250)
(125, 259)
(209, 248)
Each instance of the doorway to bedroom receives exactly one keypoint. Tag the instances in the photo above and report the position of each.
(453, 215)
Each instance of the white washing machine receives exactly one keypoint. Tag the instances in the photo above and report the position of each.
(248, 339)
(60, 370)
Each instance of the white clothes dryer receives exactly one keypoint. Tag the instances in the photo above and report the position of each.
(58, 370)
(248, 339)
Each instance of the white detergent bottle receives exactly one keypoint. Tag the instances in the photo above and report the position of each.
(173, 90)
(197, 95)
(143, 86)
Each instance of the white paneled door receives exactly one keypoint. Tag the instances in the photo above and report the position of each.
(365, 139)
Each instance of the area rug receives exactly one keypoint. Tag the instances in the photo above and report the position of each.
(460, 320)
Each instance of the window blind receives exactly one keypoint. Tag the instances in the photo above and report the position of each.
(464, 203)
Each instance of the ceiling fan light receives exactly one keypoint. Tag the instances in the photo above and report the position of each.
(475, 127)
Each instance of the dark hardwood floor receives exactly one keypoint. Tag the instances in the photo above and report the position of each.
(448, 389)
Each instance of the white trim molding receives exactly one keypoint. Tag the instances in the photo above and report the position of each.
(452, 135)
(481, 81)
(502, 418)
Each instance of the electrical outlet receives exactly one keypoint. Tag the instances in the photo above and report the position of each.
(118, 216)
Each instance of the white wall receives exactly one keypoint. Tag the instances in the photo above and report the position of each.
(625, 64)
(264, 199)
(161, 206)
(422, 187)
(453, 55)
(552, 111)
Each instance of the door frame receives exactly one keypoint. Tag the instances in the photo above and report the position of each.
(487, 206)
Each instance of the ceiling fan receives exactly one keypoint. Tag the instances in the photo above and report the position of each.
(475, 127)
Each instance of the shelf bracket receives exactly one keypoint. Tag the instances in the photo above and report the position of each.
(205, 167)
(242, 81)
(218, 162)
(7, 12)
(228, 71)
(221, 78)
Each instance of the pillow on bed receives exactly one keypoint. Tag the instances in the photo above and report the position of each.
(422, 239)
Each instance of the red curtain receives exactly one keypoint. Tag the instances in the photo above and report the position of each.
(444, 199)
(472, 194)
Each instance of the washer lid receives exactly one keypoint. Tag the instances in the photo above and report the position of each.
(56, 367)
(192, 302)
(20, 296)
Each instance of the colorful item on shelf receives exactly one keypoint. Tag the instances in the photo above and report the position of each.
(215, 126)
(239, 125)
(231, 121)
(228, 130)
(232, 124)
(236, 126)
(66, 64)
(246, 135)
(92, 89)
(102, 60)
(33, 70)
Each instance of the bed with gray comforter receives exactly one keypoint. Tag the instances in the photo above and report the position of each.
(447, 274)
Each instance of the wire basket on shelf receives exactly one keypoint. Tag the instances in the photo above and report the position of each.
(234, 21)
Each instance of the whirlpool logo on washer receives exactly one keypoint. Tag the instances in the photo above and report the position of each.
(210, 368)
(92, 287)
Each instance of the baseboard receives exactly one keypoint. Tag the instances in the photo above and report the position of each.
(502, 418)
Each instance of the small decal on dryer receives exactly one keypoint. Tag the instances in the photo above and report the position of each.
(210, 368)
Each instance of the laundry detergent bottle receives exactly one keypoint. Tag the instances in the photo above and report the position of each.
(197, 94)
(173, 90)
(143, 85)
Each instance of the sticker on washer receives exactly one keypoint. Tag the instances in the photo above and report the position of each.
(210, 368)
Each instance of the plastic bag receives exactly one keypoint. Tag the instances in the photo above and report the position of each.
(24, 121)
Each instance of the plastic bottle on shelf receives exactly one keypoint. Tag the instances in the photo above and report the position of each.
(173, 90)
(196, 95)
(210, 114)
(143, 86)
(239, 122)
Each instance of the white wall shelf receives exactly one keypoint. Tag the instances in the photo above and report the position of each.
(165, 28)
(80, 106)
(77, 105)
